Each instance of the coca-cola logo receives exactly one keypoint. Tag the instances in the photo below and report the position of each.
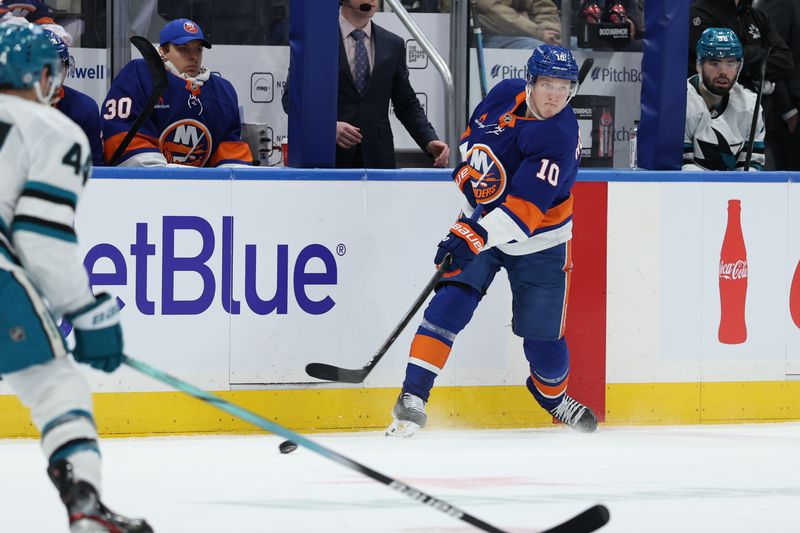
(733, 270)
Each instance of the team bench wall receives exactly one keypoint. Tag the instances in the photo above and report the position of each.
(236, 279)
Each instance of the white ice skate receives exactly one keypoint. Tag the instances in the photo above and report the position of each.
(408, 416)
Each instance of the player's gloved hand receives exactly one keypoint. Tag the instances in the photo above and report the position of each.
(465, 240)
(98, 335)
(462, 179)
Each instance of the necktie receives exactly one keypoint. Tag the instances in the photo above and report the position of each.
(362, 61)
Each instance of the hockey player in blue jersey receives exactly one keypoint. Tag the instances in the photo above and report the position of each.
(521, 154)
(195, 122)
(44, 163)
(79, 107)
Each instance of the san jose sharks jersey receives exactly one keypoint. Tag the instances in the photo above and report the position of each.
(716, 139)
(83, 111)
(45, 161)
(522, 170)
(197, 127)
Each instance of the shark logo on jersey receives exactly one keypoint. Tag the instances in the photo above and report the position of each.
(186, 142)
(487, 174)
(754, 31)
(720, 156)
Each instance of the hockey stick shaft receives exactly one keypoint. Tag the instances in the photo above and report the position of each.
(159, 74)
(335, 373)
(272, 427)
(756, 112)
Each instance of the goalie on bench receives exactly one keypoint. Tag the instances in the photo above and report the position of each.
(521, 151)
(45, 161)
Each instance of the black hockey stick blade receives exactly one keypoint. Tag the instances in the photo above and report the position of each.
(589, 520)
(158, 73)
(586, 66)
(334, 373)
(346, 375)
(154, 62)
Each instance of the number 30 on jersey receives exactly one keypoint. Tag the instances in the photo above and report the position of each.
(548, 172)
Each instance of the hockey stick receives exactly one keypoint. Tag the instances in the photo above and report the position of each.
(346, 375)
(586, 66)
(159, 74)
(474, 20)
(752, 138)
(587, 521)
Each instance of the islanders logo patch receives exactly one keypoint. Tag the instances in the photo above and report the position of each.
(186, 142)
(486, 173)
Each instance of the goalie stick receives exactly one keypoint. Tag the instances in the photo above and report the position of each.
(585, 522)
(752, 138)
(159, 75)
(328, 372)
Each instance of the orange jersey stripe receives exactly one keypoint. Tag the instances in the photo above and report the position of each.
(558, 214)
(466, 133)
(139, 141)
(526, 211)
(568, 273)
(231, 150)
(550, 391)
(430, 350)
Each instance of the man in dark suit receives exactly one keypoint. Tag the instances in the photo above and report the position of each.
(373, 71)
(363, 133)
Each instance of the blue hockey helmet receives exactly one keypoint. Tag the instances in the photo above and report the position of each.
(718, 43)
(25, 50)
(60, 46)
(552, 61)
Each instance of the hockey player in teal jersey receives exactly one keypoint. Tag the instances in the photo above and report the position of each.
(45, 162)
(521, 155)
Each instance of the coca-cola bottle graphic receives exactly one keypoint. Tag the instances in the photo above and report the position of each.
(733, 279)
(606, 134)
(794, 297)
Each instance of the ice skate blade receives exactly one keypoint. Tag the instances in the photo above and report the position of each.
(402, 428)
(87, 526)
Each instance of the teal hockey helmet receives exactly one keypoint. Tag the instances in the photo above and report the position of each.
(24, 51)
(718, 43)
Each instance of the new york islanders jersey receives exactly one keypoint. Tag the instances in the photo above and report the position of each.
(716, 139)
(84, 112)
(522, 170)
(193, 127)
(45, 161)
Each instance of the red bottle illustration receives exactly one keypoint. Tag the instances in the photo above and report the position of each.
(733, 279)
(794, 297)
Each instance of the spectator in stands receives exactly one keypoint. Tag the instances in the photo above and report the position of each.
(781, 108)
(196, 122)
(719, 111)
(521, 24)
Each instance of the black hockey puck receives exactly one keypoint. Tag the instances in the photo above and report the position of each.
(287, 446)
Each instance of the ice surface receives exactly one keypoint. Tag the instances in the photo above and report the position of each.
(732, 478)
